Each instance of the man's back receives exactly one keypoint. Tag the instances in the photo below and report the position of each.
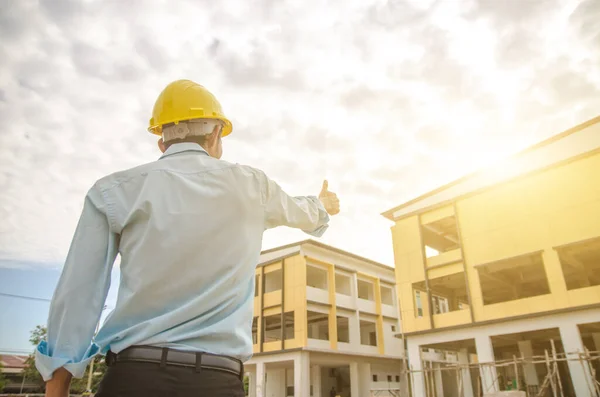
(181, 261)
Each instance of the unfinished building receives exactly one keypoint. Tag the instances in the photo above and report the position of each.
(498, 275)
(324, 322)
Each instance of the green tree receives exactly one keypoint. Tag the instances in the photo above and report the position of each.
(3, 380)
(78, 386)
(246, 384)
(38, 335)
(30, 372)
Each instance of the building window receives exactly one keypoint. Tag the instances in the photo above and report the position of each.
(387, 296)
(255, 330)
(580, 263)
(440, 236)
(389, 378)
(374, 378)
(368, 333)
(397, 378)
(511, 279)
(318, 325)
(316, 277)
(272, 328)
(393, 328)
(365, 290)
(343, 329)
(440, 304)
(418, 304)
(289, 325)
(343, 285)
(273, 281)
(447, 294)
(256, 289)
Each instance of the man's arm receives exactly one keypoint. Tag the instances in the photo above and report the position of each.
(78, 299)
(308, 213)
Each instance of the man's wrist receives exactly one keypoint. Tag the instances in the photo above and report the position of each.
(60, 383)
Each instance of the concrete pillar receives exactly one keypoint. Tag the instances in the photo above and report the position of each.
(316, 380)
(416, 365)
(302, 375)
(404, 383)
(364, 379)
(485, 355)
(354, 379)
(439, 383)
(467, 384)
(580, 371)
(260, 379)
(251, 384)
(526, 350)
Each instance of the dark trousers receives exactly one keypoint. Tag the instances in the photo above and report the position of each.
(134, 379)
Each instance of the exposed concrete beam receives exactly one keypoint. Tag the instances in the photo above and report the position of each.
(573, 262)
(436, 241)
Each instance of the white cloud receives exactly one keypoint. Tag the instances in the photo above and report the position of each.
(384, 98)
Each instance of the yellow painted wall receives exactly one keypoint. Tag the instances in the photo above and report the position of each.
(437, 214)
(446, 270)
(451, 319)
(294, 301)
(536, 213)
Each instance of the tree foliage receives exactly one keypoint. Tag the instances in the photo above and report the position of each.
(78, 386)
(30, 372)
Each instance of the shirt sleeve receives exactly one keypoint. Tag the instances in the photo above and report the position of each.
(302, 212)
(80, 294)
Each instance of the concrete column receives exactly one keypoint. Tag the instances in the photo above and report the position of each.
(364, 379)
(580, 371)
(404, 377)
(485, 355)
(260, 380)
(416, 365)
(251, 384)
(439, 383)
(302, 375)
(354, 379)
(531, 377)
(316, 380)
(467, 384)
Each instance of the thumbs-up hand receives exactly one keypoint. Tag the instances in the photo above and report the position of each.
(329, 199)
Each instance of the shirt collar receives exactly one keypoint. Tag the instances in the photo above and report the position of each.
(183, 147)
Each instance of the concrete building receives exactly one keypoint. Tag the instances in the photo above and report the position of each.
(12, 367)
(324, 321)
(504, 265)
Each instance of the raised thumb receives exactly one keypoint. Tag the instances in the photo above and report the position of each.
(325, 186)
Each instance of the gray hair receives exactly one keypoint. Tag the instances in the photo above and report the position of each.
(189, 128)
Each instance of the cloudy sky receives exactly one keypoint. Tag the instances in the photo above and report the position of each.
(386, 99)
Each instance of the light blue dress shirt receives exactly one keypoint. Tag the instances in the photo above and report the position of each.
(189, 230)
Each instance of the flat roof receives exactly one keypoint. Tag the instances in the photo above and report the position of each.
(546, 153)
(327, 247)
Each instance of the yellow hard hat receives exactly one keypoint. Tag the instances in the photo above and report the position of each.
(185, 100)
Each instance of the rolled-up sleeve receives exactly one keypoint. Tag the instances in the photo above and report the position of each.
(301, 212)
(80, 294)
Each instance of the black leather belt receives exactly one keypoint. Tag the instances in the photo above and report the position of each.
(164, 357)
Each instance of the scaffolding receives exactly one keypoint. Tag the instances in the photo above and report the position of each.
(509, 376)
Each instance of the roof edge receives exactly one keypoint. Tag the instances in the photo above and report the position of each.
(328, 247)
(389, 214)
